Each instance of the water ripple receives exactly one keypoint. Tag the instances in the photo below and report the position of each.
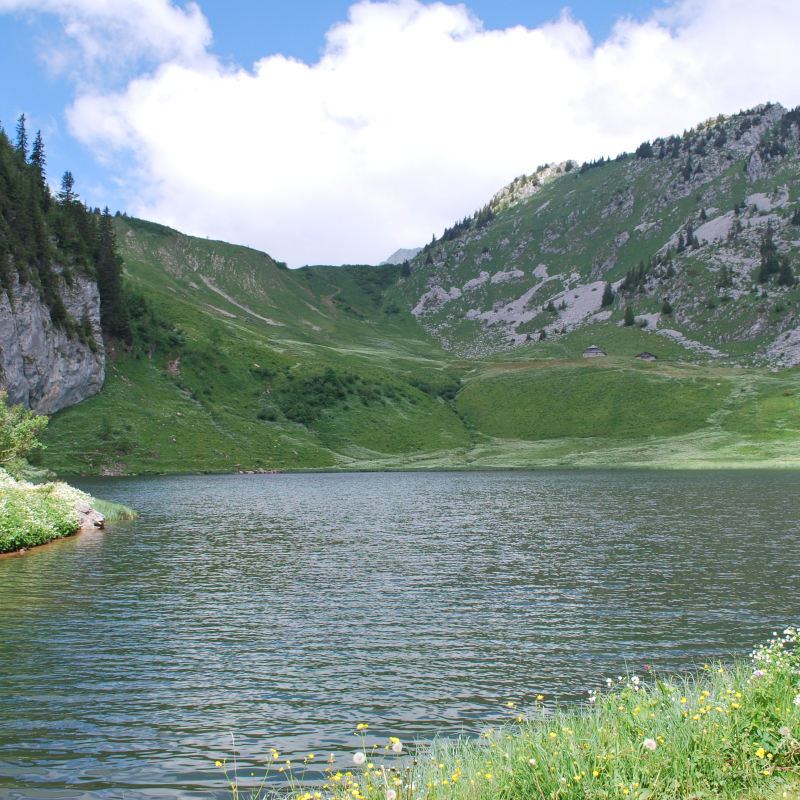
(288, 608)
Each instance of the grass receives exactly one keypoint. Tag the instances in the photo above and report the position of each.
(31, 515)
(589, 399)
(725, 731)
(113, 512)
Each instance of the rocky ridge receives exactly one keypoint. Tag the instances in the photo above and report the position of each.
(690, 215)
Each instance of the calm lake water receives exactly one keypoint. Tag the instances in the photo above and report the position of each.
(288, 608)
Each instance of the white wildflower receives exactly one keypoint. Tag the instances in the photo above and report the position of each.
(532, 762)
(359, 759)
(785, 731)
(397, 747)
(650, 744)
(391, 794)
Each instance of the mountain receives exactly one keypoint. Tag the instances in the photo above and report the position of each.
(401, 255)
(470, 355)
(707, 222)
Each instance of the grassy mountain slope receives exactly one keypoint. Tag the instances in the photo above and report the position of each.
(253, 383)
(445, 365)
(732, 183)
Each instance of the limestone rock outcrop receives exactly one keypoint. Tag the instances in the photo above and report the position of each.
(40, 366)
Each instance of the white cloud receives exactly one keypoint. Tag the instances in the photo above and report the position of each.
(103, 39)
(414, 116)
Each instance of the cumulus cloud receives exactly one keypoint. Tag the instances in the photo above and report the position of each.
(413, 117)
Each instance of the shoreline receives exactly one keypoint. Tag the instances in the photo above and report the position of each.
(439, 468)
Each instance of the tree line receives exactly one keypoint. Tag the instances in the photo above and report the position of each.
(48, 238)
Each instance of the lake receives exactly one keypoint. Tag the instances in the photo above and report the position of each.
(289, 608)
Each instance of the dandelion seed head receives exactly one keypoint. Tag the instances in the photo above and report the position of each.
(650, 744)
(359, 759)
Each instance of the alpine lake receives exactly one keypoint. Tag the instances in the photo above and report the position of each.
(286, 609)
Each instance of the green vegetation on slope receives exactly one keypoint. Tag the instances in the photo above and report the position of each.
(718, 248)
(590, 399)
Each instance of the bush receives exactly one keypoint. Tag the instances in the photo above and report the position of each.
(19, 432)
(32, 515)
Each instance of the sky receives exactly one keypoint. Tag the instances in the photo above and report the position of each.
(336, 132)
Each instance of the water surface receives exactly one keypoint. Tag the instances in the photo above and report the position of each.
(287, 608)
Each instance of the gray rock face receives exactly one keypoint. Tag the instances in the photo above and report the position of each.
(41, 367)
(401, 255)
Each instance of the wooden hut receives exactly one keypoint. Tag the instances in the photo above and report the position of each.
(647, 356)
(593, 352)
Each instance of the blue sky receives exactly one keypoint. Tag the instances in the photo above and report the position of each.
(415, 116)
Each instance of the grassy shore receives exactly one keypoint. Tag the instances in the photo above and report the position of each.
(32, 514)
(725, 731)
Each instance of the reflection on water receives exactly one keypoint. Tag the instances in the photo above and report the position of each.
(287, 608)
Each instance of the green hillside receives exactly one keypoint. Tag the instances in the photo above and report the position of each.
(470, 356)
(707, 221)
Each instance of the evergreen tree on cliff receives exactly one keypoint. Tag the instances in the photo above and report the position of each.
(37, 154)
(67, 195)
(22, 137)
(114, 317)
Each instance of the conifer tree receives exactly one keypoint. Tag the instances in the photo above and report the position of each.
(405, 269)
(629, 316)
(608, 295)
(37, 153)
(666, 308)
(67, 195)
(785, 274)
(22, 137)
(114, 316)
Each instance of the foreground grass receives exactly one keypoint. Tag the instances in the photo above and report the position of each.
(31, 515)
(723, 732)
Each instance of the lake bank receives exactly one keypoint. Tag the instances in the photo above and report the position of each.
(32, 515)
(727, 731)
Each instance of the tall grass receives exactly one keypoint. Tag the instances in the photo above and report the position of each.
(113, 512)
(726, 731)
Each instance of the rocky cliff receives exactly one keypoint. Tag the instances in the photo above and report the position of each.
(41, 366)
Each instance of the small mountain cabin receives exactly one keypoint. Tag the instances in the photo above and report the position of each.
(647, 356)
(593, 352)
